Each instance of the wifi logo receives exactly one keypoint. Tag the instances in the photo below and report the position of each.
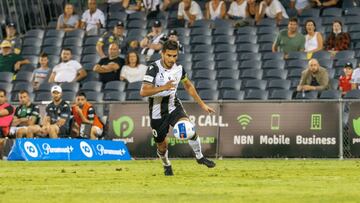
(244, 120)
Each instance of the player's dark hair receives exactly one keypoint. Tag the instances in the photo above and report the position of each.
(127, 61)
(81, 94)
(3, 91)
(23, 92)
(67, 49)
(293, 19)
(170, 45)
(43, 55)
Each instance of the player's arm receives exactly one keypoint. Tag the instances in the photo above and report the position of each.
(64, 115)
(7, 111)
(82, 116)
(148, 89)
(189, 87)
(34, 116)
(16, 121)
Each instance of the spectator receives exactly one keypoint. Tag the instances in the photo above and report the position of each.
(154, 7)
(68, 21)
(152, 42)
(68, 70)
(355, 79)
(41, 73)
(215, 9)
(327, 3)
(132, 45)
(85, 118)
(133, 71)
(290, 39)
(109, 68)
(131, 6)
(314, 77)
(190, 11)
(313, 40)
(252, 8)
(6, 115)
(10, 62)
(300, 5)
(56, 121)
(13, 38)
(272, 9)
(26, 115)
(337, 40)
(238, 9)
(173, 36)
(116, 36)
(345, 80)
(92, 19)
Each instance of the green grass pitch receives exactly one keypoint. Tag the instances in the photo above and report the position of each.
(233, 180)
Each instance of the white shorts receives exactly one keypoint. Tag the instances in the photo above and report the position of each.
(98, 131)
(14, 129)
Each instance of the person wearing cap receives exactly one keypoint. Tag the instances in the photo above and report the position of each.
(314, 77)
(56, 120)
(109, 68)
(190, 11)
(68, 70)
(173, 36)
(116, 36)
(152, 42)
(10, 62)
(13, 38)
(345, 80)
(68, 21)
(26, 114)
(92, 19)
(85, 118)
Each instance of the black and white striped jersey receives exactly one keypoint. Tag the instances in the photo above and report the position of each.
(163, 102)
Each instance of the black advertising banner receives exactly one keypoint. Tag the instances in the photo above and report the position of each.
(354, 129)
(280, 130)
(131, 123)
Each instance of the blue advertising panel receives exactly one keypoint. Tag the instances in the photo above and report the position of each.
(68, 149)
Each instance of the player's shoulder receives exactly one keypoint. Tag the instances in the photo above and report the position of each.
(154, 67)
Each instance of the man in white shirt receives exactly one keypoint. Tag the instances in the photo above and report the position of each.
(272, 9)
(190, 11)
(92, 19)
(299, 5)
(151, 43)
(68, 70)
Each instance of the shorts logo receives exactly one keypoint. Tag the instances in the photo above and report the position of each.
(86, 149)
(154, 133)
(30, 149)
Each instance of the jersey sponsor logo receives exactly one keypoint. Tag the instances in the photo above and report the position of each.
(148, 78)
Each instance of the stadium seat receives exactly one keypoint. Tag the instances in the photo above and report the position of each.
(256, 94)
(94, 86)
(255, 84)
(200, 31)
(6, 86)
(94, 96)
(310, 12)
(346, 54)
(43, 96)
(201, 40)
(183, 95)
(202, 23)
(223, 31)
(6, 77)
(279, 84)
(55, 33)
(274, 64)
(45, 87)
(68, 96)
(202, 48)
(114, 96)
(273, 56)
(230, 84)
(295, 73)
(185, 57)
(202, 56)
(30, 50)
(233, 95)
(326, 63)
(265, 47)
(296, 55)
(52, 42)
(76, 34)
(183, 31)
(72, 41)
(243, 48)
(267, 30)
(52, 50)
(209, 94)
(207, 85)
(281, 94)
(267, 22)
(321, 55)
(228, 74)
(352, 94)
(250, 56)
(37, 33)
(205, 74)
(208, 65)
(23, 77)
(275, 74)
(136, 24)
(307, 95)
(22, 86)
(91, 76)
(245, 39)
(341, 62)
(267, 38)
(134, 86)
(250, 64)
(251, 74)
(297, 63)
(246, 30)
(225, 56)
(225, 48)
(137, 16)
(118, 86)
(330, 94)
(32, 42)
(70, 86)
(224, 39)
(134, 96)
(90, 58)
(354, 11)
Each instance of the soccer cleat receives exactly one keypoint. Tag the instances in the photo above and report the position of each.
(206, 162)
(168, 171)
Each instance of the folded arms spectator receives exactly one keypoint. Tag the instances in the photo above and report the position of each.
(68, 21)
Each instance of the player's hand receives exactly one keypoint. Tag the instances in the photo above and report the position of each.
(170, 85)
(17, 66)
(208, 109)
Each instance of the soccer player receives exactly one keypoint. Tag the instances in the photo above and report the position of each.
(27, 114)
(160, 84)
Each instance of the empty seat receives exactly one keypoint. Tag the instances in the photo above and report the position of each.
(256, 94)
(73, 42)
(250, 64)
(70, 86)
(91, 41)
(250, 56)
(267, 30)
(207, 85)
(208, 65)
(95, 86)
(202, 23)
(226, 56)
(281, 94)
(43, 96)
(94, 96)
(335, 12)
(202, 56)
(201, 40)
(321, 55)
(223, 31)
(134, 96)
(273, 56)
(230, 84)
(227, 65)
(232, 95)
(224, 39)
(265, 47)
(228, 74)
(279, 84)
(330, 94)
(241, 48)
(91, 76)
(251, 74)
(6, 76)
(115, 86)
(200, 31)
(275, 74)
(307, 95)
(35, 33)
(23, 76)
(6, 86)
(245, 39)
(32, 42)
(90, 58)
(296, 63)
(137, 16)
(55, 33)
(76, 34)
(296, 55)
(183, 95)
(22, 86)
(274, 64)
(114, 96)
(202, 48)
(255, 84)
(68, 96)
(352, 94)
(267, 22)
(346, 54)
(134, 86)
(136, 24)
(294, 74)
(209, 94)
(52, 42)
(326, 63)
(205, 74)
(52, 50)
(30, 51)
(310, 12)
(246, 30)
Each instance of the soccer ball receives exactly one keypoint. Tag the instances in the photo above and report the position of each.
(184, 130)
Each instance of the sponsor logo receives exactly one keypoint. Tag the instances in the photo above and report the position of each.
(244, 120)
(30, 149)
(123, 126)
(48, 149)
(102, 151)
(356, 126)
(86, 149)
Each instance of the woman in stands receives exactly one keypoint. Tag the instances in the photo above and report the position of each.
(313, 40)
(215, 9)
(68, 21)
(133, 71)
(337, 40)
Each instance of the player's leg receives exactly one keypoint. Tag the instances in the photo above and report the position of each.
(160, 128)
(53, 131)
(95, 132)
